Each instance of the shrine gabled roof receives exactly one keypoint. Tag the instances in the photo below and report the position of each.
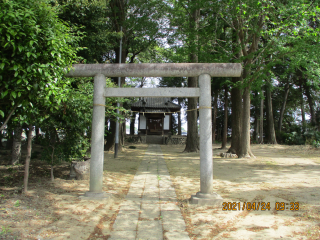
(155, 103)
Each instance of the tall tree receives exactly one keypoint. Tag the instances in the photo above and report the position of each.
(192, 144)
(225, 121)
(214, 116)
(271, 136)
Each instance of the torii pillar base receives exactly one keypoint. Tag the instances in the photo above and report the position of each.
(96, 196)
(202, 199)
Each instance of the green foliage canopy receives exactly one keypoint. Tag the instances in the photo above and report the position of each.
(35, 48)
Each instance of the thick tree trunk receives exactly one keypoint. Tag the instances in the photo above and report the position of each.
(122, 126)
(271, 137)
(236, 102)
(283, 106)
(192, 144)
(16, 146)
(261, 121)
(27, 164)
(214, 116)
(304, 84)
(225, 121)
(236, 107)
(219, 132)
(122, 131)
(244, 148)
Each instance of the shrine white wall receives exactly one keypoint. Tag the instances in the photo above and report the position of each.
(166, 123)
(143, 122)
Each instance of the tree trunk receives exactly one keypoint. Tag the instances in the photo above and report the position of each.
(179, 123)
(192, 144)
(304, 83)
(225, 121)
(52, 162)
(109, 146)
(256, 123)
(257, 126)
(271, 137)
(303, 115)
(261, 120)
(9, 116)
(244, 146)
(38, 135)
(311, 104)
(16, 146)
(219, 135)
(1, 137)
(179, 118)
(214, 116)
(283, 107)
(236, 107)
(51, 174)
(122, 132)
(9, 142)
(27, 164)
(132, 121)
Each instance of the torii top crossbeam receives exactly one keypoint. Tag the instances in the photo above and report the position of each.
(156, 70)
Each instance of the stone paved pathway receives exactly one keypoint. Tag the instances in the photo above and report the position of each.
(149, 211)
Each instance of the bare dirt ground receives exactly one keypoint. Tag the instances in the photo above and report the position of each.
(288, 174)
(278, 174)
(53, 210)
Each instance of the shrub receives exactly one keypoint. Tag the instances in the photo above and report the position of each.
(294, 138)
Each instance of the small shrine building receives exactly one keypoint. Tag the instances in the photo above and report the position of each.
(155, 115)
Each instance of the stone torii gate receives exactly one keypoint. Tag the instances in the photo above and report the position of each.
(204, 70)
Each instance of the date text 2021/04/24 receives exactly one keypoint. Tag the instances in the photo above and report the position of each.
(262, 206)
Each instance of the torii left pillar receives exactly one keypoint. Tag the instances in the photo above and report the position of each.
(97, 140)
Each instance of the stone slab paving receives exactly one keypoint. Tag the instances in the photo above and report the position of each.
(149, 210)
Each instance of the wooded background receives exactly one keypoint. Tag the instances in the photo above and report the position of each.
(275, 100)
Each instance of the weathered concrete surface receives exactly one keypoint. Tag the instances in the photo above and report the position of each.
(97, 140)
(150, 210)
(206, 175)
(206, 196)
(151, 92)
(157, 70)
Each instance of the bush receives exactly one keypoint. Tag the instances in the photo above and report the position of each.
(316, 144)
(298, 135)
(294, 138)
(313, 137)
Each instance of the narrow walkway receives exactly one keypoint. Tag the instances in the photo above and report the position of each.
(149, 211)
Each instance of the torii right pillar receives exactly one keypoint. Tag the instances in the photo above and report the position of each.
(206, 196)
